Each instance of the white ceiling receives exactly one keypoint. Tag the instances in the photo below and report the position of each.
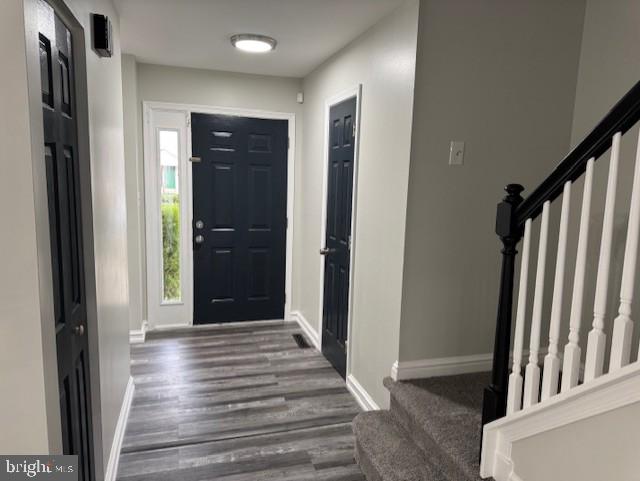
(195, 33)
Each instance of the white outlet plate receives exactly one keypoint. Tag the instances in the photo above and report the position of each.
(456, 153)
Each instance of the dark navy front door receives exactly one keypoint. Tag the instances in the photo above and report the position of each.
(337, 249)
(239, 217)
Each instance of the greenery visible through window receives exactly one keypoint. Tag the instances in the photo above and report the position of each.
(170, 212)
(171, 246)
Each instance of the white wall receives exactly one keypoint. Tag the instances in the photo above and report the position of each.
(29, 412)
(104, 84)
(135, 209)
(208, 88)
(27, 318)
(499, 75)
(593, 449)
(383, 61)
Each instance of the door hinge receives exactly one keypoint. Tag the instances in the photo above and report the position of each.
(354, 131)
(288, 142)
(286, 223)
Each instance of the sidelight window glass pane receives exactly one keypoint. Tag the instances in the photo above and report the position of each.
(170, 211)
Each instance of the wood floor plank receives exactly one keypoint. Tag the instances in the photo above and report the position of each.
(236, 403)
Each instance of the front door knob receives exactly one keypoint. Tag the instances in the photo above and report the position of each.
(326, 251)
(199, 239)
(79, 330)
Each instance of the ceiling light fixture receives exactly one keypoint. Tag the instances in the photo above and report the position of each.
(253, 43)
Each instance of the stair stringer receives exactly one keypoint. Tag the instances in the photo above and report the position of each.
(606, 393)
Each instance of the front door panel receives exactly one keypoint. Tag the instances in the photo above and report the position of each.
(239, 217)
(337, 250)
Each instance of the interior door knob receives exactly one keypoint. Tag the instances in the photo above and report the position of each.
(326, 251)
(79, 330)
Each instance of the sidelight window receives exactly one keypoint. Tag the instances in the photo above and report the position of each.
(168, 147)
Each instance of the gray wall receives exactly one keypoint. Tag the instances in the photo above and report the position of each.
(30, 405)
(383, 61)
(198, 87)
(609, 67)
(609, 63)
(499, 75)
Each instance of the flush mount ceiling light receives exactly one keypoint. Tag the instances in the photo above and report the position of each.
(253, 43)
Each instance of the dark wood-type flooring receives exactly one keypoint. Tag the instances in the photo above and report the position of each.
(236, 403)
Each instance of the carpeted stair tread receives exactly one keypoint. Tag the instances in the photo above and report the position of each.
(442, 415)
(385, 452)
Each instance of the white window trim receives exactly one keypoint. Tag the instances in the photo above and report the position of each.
(163, 312)
(172, 314)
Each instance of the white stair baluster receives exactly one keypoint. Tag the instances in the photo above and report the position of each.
(532, 371)
(551, 371)
(514, 396)
(596, 345)
(572, 351)
(623, 325)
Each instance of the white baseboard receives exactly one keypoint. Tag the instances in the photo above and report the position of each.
(309, 332)
(114, 456)
(360, 394)
(216, 325)
(364, 399)
(449, 366)
(137, 336)
(444, 366)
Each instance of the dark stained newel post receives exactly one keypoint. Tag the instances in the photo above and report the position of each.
(510, 233)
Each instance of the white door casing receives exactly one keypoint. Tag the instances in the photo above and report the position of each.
(355, 91)
(170, 116)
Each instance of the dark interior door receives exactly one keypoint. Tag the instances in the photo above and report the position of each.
(337, 250)
(63, 191)
(239, 217)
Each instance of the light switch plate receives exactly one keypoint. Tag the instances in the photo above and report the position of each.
(456, 152)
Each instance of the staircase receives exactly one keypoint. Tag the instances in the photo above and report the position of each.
(590, 367)
(431, 432)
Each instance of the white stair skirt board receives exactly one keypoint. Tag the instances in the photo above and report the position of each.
(606, 393)
(137, 336)
(114, 456)
(364, 399)
(309, 332)
(444, 366)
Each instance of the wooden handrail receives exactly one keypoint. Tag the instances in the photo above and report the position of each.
(620, 118)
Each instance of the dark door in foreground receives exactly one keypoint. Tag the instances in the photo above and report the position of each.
(239, 217)
(63, 190)
(337, 249)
